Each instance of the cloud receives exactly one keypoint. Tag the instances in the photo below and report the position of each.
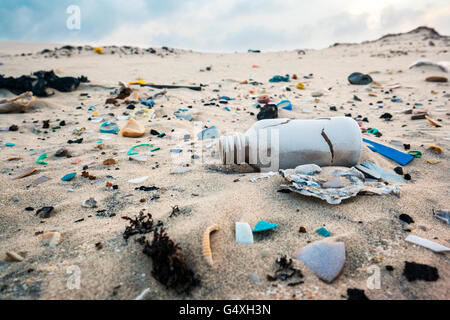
(216, 25)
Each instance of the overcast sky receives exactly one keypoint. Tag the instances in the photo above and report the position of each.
(219, 25)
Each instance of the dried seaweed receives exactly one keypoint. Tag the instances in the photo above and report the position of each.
(140, 225)
(169, 266)
(285, 271)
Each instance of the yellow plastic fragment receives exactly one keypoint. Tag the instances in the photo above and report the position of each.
(436, 149)
(300, 86)
(137, 82)
(98, 50)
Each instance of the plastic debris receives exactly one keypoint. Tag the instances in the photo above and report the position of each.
(39, 160)
(278, 78)
(284, 104)
(325, 259)
(323, 232)
(264, 226)
(262, 176)
(443, 215)
(400, 157)
(244, 233)
(381, 173)
(89, 203)
(352, 184)
(436, 247)
(300, 86)
(148, 103)
(179, 170)
(69, 176)
(436, 149)
(209, 133)
(415, 153)
(138, 180)
(308, 169)
(143, 294)
(109, 127)
(130, 152)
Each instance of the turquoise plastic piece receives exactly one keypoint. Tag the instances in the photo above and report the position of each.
(279, 79)
(264, 226)
(69, 176)
(130, 152)
(323, 232)
(114, 127)
(40, 158)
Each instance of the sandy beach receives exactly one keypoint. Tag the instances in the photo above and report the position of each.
(92, 246)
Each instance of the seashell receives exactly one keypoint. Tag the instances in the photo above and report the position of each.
(436, 124)
(26, 173)
(206, 244)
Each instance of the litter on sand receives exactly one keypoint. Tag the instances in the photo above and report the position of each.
(325, 259)
(334, 184)
(436, 247)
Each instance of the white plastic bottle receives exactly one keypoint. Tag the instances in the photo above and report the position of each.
(274, 144)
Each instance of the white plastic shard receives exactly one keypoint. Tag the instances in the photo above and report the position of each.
(244, 233)
(325, 259)
(138, 180)
(436, 247)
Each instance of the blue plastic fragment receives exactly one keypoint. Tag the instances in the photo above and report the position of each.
(148, 103)
(228, 109)
(9, 144)
(225, 98)
(176, 150)
(400, 157)
(278, 78)
(284, 104)
(323, 232)
(209, 133)
(69, 176)
(264, 225)
(109, 127)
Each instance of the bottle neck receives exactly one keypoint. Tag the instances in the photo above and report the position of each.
(233, 149)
